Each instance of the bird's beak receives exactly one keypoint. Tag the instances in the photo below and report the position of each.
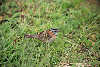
(58, 30)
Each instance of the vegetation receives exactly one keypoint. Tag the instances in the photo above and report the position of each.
(77, 42)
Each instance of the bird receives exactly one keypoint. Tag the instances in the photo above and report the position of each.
(46, 36)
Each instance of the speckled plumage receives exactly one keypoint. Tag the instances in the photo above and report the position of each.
(45, 36)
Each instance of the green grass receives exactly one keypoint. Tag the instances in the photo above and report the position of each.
(77, 42)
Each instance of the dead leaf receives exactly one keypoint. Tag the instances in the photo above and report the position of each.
(1, 18)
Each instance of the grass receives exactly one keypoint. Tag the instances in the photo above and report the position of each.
(78, 41)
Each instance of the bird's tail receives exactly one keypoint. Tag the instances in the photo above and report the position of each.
(30, 36)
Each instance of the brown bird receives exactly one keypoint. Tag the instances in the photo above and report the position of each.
(45, 36)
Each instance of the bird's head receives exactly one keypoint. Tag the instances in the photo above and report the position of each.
(54, 30)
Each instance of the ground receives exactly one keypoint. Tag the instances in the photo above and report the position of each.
(77, 42)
